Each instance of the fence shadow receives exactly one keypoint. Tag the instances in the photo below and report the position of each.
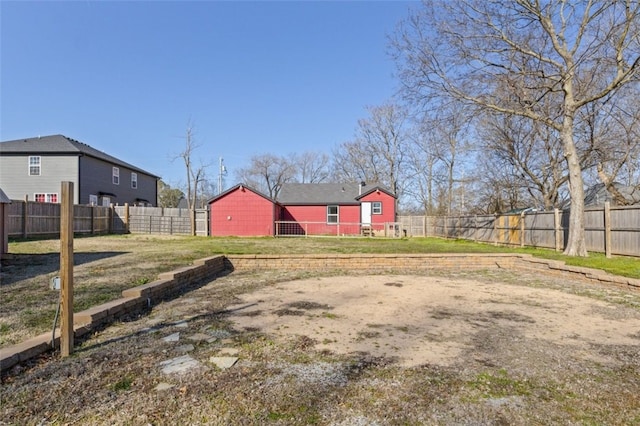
(18, 267)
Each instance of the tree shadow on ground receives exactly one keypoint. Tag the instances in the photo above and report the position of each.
(20, 267)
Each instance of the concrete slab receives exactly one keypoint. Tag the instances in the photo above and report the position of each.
(180, 364)
(185, 348)
(223, 362)
(172, 337)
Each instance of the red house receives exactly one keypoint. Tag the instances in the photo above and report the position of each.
(336, 208)
(242, 211)
(304, 209)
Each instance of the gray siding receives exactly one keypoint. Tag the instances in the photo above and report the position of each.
(16, 182)
(97, 177)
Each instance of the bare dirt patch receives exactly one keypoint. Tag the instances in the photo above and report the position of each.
(477, 347)
(430, 320)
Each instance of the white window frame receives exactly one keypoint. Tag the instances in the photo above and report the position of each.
(376, 207)
(35, 163)
(115, 176)
(93, 200)
(335, 215)
(134, 180)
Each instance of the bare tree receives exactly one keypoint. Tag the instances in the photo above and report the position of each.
(524, 58)
(423, 165)
(532, 152)
(267, 173)
(611, 130)
(353, 162)
(378, 152)
(195, 174)
(312, 167)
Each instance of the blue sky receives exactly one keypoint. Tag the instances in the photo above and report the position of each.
(253, 77)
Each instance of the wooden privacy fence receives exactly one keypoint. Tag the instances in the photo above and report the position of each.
(158, 220)
(610, 230)
(32, 219)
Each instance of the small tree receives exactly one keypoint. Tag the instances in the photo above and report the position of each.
(195, 174)
(168, 197)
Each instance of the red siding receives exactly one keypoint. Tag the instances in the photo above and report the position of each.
(242, 212)
(388, 207)
(349, 217)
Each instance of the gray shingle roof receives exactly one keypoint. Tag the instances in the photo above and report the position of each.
(324, 193)
(598, 194)
(3, 198)
(60, 144)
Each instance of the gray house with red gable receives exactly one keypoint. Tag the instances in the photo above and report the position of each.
(34, 167)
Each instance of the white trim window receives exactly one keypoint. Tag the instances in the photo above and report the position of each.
(116, 176)
(45, 198)
(333, 215)
(376, 207)
(134, 180)
(93, 199)
(35, 165)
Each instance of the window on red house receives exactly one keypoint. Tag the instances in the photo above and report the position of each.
(332, 214)
(376, 207)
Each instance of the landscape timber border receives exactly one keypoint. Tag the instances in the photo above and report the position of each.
(171, 284)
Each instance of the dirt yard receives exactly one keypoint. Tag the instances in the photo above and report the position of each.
(482, 347)
(427, 320)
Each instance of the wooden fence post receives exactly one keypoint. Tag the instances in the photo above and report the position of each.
(522, 229)
(25, 217)
(93, 220)
(607, 229)
(557, 225)
(126, 218)
(111, 219)
(495, 229)
(446, 226)
(475, 227)
(66, 269)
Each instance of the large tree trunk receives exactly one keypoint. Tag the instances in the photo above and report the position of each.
(576, 245)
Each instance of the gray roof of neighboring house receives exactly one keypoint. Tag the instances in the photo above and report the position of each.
(598, 194)
(325, 193)
(3, 197)
(60, 144)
